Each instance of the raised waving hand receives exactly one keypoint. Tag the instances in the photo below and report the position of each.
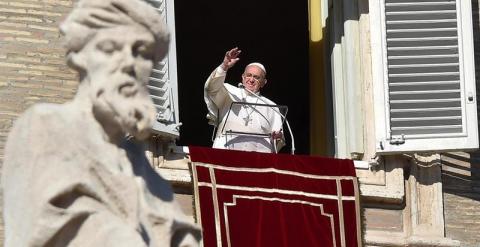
(231, 58)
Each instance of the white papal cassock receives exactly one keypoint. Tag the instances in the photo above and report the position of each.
(219, 96)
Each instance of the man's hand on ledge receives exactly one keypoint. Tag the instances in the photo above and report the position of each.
(277, 135)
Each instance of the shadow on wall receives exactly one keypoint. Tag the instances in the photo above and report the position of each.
(341, 83)
(475, 156)
(461, 174)
(461, 171)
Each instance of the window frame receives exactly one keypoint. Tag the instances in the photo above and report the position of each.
(169, 127)
(437, 142)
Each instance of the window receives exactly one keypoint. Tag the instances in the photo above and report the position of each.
(423, 75)
(163, 81)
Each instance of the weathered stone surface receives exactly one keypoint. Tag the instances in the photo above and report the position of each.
(461, 186)
(390, 220)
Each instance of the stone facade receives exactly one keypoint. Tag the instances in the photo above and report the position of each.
(412, 199)
(461, 187)
(32, 61)
(461, 173)
(33, 69)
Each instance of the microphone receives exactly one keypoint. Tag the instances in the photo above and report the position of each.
(240, 85)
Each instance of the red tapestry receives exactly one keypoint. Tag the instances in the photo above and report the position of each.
(257, 199)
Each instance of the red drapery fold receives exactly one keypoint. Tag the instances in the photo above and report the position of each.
(259, 199)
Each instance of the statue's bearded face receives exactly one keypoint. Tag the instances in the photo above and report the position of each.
(117, 63)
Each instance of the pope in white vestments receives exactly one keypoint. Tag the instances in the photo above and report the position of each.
(255, 126)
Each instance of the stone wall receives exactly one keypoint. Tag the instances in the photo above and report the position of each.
(461, 187)
(32, 61)
(461, 173)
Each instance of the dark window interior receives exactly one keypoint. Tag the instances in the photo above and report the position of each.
(271, 32)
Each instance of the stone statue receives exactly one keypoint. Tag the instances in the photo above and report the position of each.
(71, 176)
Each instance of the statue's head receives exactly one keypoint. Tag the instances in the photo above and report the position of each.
(113, 44)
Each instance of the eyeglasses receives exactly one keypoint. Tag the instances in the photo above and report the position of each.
(255, 77)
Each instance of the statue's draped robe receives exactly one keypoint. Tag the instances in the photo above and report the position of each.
(64, 185)
(219, 96)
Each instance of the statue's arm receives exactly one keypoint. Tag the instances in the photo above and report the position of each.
(72, 204)
(52, 203)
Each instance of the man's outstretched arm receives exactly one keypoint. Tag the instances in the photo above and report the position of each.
(214, 88)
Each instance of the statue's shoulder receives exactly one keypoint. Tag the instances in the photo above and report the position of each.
(44, 111)
(43, 118)
(34, 133)
(48, 109)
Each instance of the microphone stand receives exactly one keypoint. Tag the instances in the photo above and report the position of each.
(240, 85)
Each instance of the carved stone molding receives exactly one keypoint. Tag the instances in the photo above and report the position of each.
(423, 216)
(384, 182)
(422, 211)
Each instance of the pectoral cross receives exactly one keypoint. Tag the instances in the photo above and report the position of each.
(247, 119)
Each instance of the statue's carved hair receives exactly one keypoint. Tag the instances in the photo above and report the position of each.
(89, 16)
